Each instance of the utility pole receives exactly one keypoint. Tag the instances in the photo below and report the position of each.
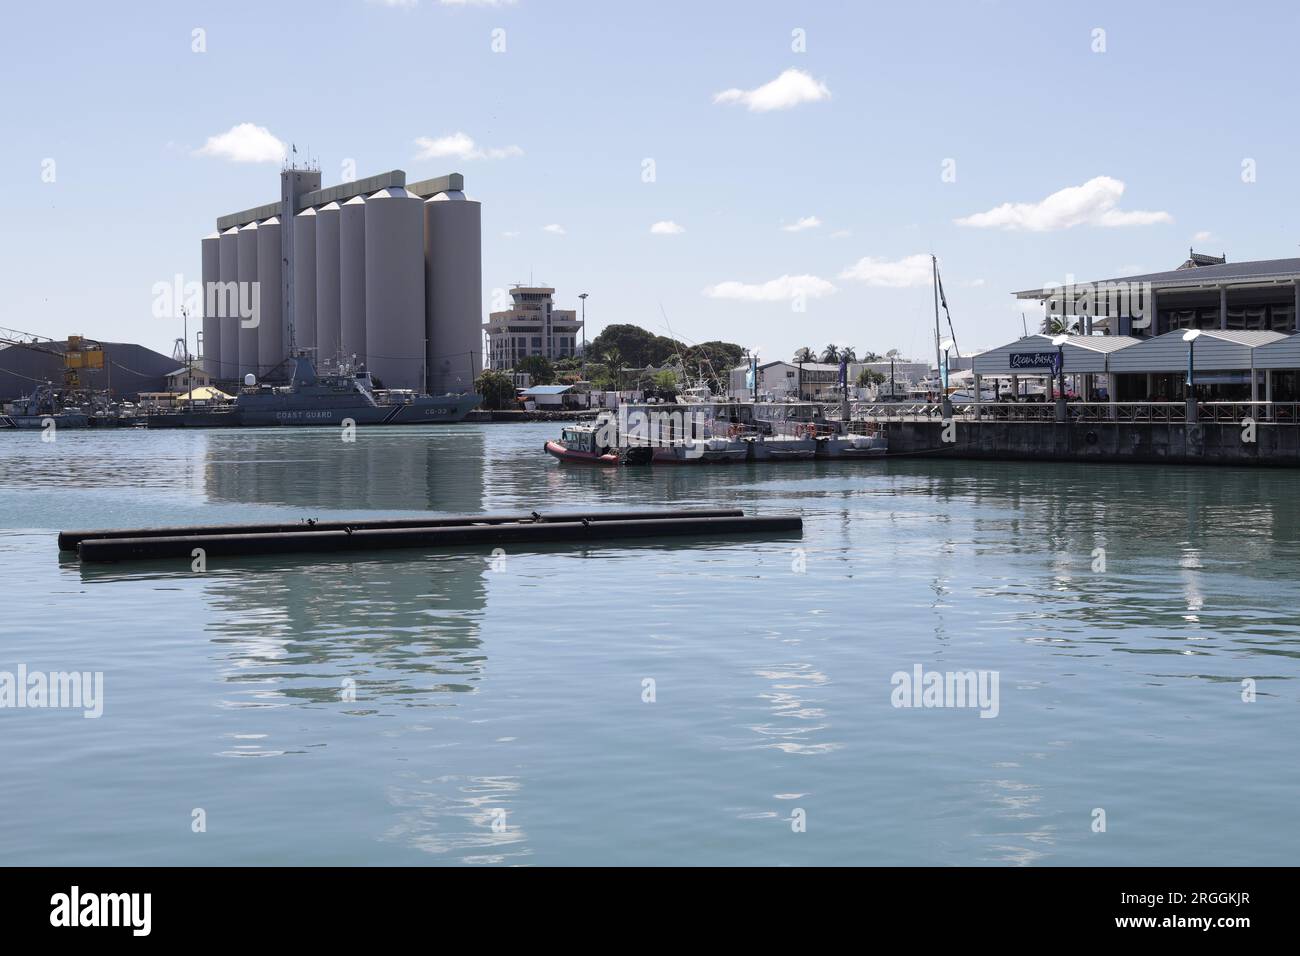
(185, 351)
(583, 297)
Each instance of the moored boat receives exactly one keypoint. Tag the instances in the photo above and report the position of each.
(580, 444)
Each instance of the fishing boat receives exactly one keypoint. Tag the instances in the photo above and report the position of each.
(581, 445)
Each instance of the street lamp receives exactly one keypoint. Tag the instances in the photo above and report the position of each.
(1059, 341)
(1190, 337)
(583, 297)
(947, 346)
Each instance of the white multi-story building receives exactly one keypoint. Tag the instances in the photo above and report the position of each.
(531, 326)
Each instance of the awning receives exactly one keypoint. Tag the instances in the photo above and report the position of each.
(1036, 355)
(1217, 349)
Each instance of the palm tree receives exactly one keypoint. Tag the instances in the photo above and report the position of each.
(831, 354)
(1059, 325)
(615, 361)
(849, 353)
(805, 354)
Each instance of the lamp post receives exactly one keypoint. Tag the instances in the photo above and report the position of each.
(1062, 413)
(583, 297)
(946, 345)
(1190, 337)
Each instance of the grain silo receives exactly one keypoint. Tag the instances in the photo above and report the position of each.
(395, 311)
(211, 319)
(327, 283)
(271, 349)
(453, 273)
(228, 303)
(304, 281)
(352, 280)
(248, 300)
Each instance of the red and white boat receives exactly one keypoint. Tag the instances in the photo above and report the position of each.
(579, 445)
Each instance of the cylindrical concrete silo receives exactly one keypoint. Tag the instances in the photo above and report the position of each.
(228, 304)
(248, 301)
(352, 280)
(271, 340)
(395, 288)
(304, 281)
(453, 275)
(211, 316)
(328, 339)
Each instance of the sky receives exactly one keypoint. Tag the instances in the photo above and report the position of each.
(772, 174)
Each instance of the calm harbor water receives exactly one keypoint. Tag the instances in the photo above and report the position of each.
(499, 713)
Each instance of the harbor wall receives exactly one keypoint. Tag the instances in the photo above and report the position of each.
(1207, 443)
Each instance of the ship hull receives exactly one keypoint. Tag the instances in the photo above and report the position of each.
(423, 411)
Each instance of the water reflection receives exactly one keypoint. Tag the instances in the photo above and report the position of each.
(438, 468)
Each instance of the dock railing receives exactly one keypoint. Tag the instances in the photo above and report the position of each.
(1219, 412)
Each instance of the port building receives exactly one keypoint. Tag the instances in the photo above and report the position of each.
(376, 274)
(1205, 292)
(531, 326)
(1127, 341)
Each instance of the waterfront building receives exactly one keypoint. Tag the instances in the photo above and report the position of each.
(1205, 292)
(375, 273)
(817, 381)
(531, 326)
(1130, 344)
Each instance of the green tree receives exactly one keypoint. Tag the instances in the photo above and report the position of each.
(497, 389)
(831, 354)
(849, 353)
(870, 377)
(539, 369)
(665, 383)
(805, 354)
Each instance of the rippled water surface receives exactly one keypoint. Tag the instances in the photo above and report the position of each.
(499, 714)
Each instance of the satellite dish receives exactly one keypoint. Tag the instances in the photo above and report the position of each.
(1191, 335)
(1060, 340)
(250, 379)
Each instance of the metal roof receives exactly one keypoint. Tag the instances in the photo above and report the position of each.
(546, 390)
(1216, 350)
(1256, 272)
(1083, 353)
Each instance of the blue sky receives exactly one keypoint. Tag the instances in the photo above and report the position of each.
(1153, 131)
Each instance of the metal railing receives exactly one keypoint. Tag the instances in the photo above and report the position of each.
(1157, 412)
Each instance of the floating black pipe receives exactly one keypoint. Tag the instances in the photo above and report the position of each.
(371, 539)
(68, 540)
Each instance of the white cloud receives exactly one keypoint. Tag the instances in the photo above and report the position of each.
(477, 3)
(774, 290)
(977, 283)
(788, 90)
(807, 222)
(245, 143)
(1093, 204)
(510, 235)
(461, 146)
(905, 273)
(1202, 236)
(841, 234)
(666, 227)
(554, 229)
(395, 3)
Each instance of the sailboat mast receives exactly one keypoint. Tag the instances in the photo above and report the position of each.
(934, 275)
